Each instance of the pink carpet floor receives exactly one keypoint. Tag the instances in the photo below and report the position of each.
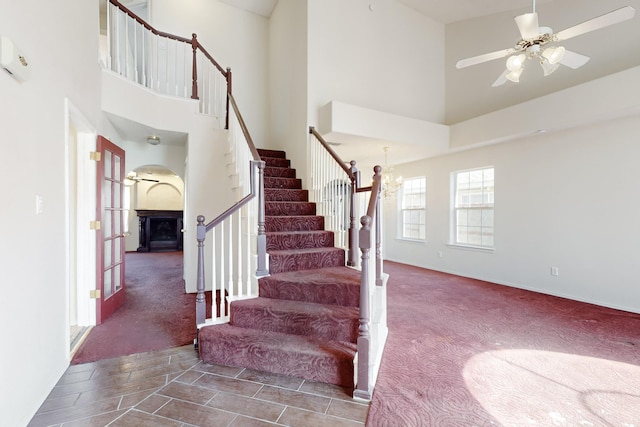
(157, 313)
(463, 352)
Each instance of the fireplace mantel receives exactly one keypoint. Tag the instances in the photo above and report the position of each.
(159, 230)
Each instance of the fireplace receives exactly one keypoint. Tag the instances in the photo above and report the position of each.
(159, 231)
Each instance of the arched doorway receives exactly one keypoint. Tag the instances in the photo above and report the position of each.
(154, 214)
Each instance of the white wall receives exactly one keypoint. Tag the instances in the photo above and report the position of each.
(566, 199)
(60, 42)
(390, 59)
(288, 81)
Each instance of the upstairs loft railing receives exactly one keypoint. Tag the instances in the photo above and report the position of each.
(337, 191)
(165, 63)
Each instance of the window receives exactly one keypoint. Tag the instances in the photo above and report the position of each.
(412, 209)
(473, 207)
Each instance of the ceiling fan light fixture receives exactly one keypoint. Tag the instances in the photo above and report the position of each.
(554, 54)
(153, 139)
(516, 62)
(548, 67)
(514, 75)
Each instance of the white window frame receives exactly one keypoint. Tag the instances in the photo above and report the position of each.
(472, 211)
(416, 209)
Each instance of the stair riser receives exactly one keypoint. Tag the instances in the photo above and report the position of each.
(332, 293)
(280, 263)
(305, 223)
(279, 172)
(272, 153)
(323, 239)
(276, 162)
(289, 183)
(327, 325)
(289, 208)
(334, 365)
(285, 195)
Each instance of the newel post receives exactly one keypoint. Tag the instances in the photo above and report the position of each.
(262, 268)
(201, 234)
(352, 253)
(378, 176)
(229, 91)
(194, 69)
(362, 390)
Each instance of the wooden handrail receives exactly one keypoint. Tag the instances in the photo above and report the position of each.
(210, 58)
(375, 190)
(245, 130)
(146, 25)
(333, 154)
(240, 203)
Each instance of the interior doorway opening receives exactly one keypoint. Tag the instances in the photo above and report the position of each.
(80, 244)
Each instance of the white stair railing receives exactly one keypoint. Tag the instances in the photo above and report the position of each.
(373, 331)
(334, 187)
(237, 235)
(164, 63)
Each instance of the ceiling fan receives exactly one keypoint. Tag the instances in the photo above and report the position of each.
(134, 177)
(535, 39)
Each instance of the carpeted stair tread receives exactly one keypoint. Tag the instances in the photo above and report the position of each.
(294, 223)
(328, 362)
(272, 153)
(276, 182)
(318, 321)
(276, 162)
(291, 240)
(279, 172)
(337, 286)
(305, 259)
(289, 208)
(286, 195)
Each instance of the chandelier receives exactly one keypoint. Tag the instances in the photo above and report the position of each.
(390, 184)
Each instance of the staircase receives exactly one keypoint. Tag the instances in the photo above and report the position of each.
(305, 321)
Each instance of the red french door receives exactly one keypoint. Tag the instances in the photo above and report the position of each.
(110, 214)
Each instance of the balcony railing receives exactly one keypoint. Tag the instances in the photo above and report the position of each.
(165, 63)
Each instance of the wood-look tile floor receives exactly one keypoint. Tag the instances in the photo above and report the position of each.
(174, 388)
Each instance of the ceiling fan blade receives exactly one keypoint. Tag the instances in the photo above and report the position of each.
(602, 21)
(574, 60)
(484, 58)
(501, 80)
(528, 26)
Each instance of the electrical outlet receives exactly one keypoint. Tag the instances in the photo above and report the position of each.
(555, 271)
(440, 254)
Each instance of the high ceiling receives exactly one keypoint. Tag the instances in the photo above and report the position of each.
(442, 11)
(475, 27)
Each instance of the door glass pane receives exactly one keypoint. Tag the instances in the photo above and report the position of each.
(106, 194)
(117, 280)
(118, 253)
(108, 259)
(117, 226)
(107, 284)
(117, 168)
(107, 220)
(107, 164)
(117, 197)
